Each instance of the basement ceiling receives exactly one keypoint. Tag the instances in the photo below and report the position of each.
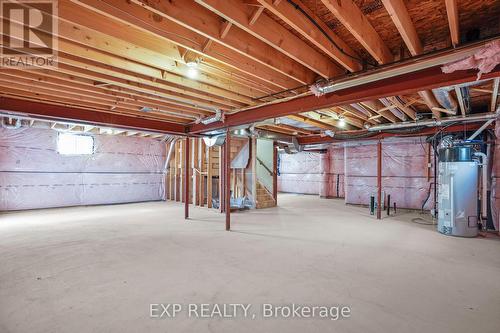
(137, 57)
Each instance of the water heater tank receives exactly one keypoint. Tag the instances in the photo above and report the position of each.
(457, 192)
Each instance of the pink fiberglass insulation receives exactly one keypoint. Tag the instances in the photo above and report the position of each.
(485, 60)
(34, 175)
(404, 173)
(350, 171)
(495, 180)
(332, 163)
(300, 173)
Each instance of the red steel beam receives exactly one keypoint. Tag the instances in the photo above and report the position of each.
(187, 167)
(90, 117)
(227, 179)
(425, 79)
(275, 172)
(379, 180)
(317, 139)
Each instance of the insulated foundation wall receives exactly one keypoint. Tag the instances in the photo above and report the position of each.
(405, 173)
(34, 175)
(332, 169)
(350, 170)
(495, 179)
(300, 173)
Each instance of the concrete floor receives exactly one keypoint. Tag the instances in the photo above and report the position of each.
(98, 269)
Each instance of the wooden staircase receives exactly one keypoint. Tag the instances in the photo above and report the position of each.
(264, 198)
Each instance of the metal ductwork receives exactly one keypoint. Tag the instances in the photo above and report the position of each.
(405, 67)
(218, 116)
(445, 99)
(433, 122)
(214, 141)
(11, 123)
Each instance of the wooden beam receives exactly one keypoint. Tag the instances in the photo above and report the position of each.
(431, 102)
(61, 80)
(224, 29)
(402, 21)
(199, 19)
(274, 34)
(377, 106)
(338, 50)
(356, 22)
(460, 98)
(401, 18)
(407, 110)
(453, 21)
(313, 122)
(255, 15)
(111, 100)
(140, 18)
(294, 129)
(494, 96)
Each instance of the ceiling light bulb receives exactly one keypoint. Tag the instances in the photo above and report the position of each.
(341, 122)
(192, 73)
(192, 64)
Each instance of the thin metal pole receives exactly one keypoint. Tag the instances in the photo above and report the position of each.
(275, 172)
(186, 179)
(379, 180)
(227, 181)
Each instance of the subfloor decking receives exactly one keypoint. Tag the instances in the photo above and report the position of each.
(98, 269)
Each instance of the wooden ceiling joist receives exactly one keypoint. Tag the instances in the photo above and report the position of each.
(168, 31)
(402, 20)
(494, 95)
(272, 33)
(453, 21)
(349, 14)
(338, 50)
(377, 106)
(204, 22)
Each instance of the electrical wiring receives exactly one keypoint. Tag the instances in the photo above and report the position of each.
(297, 7)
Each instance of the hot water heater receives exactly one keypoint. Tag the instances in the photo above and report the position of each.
(458, 191)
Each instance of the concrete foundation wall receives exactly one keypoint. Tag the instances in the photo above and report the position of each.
(34, 175)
